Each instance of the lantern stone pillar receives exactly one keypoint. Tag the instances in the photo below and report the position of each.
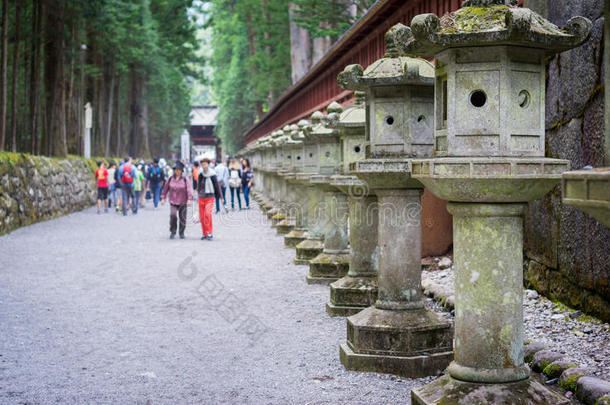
(489, 162)
(333, 262)
(313, 211)
(358, 289)
(397, 334)
(299, 232)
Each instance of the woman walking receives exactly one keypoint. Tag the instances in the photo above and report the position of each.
(235, 182)
(207, 190)
(247, 176)
(180, 195)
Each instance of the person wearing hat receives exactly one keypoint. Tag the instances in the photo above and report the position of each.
(208, 190)
(179, 189)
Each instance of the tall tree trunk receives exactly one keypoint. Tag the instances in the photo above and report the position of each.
(118, 117)
(134, 111)
(15, 74)
(258, 105)
(72, 134)
(55, 82)
(110, 102)
(300, 48)
(4, 39)
(144, 150)
(35, 74)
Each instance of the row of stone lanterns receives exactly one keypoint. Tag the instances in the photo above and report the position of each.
(471, 130)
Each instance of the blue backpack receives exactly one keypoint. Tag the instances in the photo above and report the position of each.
(155, 174)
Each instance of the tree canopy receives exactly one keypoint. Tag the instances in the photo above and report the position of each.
(130, 59)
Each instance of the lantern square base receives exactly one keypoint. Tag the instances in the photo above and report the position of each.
(404, 366)
(308, 250)
(350, 295)
(449, 391)
(327, 268)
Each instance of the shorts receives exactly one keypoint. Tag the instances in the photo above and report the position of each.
(102, 193)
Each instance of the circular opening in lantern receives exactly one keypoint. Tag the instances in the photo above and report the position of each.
(478, 98)
(389, 120)
(524, 98)
(357, 149)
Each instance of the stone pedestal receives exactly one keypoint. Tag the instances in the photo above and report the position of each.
(488, 363)
(488, 199)
(313, 245)
(285, 225)
(358, 289)
(299, 208)
(333, 262)
(449, 391)
(398, 335)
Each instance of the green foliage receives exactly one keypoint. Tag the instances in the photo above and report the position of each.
(109, 41)
(329, 18)
(250, 61)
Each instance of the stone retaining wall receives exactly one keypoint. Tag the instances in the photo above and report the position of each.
(568, 251)
(34, 189)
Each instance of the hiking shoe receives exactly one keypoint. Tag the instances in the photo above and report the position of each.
(105, 210)
(172, 235)
(181, 236)
(209, 237)
(204, 237)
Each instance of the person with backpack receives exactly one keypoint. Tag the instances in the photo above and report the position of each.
(208, 190)
(195, 174)
(235, 183)
(111, 184)
(127, 173)
(156, 177)
(179, 190)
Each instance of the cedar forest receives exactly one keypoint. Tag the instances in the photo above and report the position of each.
(136, 62)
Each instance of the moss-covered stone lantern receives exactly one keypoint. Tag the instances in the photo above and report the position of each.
(333, 261)
(292, 155)
(358, 289)
(298, 207)
(397, 334)
(489, 143)
(314, 239)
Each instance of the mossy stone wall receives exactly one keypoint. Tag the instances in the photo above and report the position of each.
(567, 251)
(34, 188)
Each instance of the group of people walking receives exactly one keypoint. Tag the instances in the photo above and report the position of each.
(124, 186)
(210, 183)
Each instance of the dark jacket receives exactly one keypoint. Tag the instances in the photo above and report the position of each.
(201, 186)
(246, 176)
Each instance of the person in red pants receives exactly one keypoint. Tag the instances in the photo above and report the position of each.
(208, 190)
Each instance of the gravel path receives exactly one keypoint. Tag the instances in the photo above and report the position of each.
(105, 309)
(582, 339)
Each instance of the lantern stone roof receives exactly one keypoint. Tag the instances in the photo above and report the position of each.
(493, 22)
(395, 68)
(354, 115)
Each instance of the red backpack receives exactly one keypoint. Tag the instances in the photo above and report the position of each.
(126, 177)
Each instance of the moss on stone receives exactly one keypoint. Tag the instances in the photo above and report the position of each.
(554, 370)
(473, 19)
(569, 383)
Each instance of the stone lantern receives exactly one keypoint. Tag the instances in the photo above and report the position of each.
(276, 165)
(358, 289)
(292, 157)
(397, 334)
(333, 262)
(263, 146)
(285, 159)
(301, 185)
(489, 148)
(314, 238)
